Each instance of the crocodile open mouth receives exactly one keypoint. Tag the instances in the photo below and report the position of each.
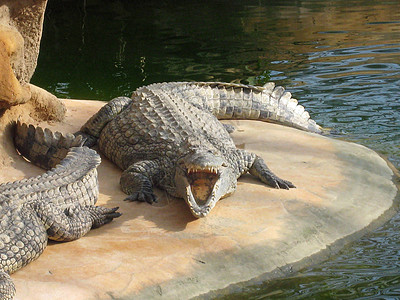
(202, 183)
(203, 178)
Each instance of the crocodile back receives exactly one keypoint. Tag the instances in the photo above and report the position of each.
(159, 124)
(22, 235)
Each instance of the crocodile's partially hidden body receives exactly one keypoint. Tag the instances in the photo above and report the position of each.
(168, 135)
(58, 204)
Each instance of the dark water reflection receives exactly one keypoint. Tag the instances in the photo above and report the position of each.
(339, 58)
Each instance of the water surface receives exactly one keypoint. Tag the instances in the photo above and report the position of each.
(339, 58)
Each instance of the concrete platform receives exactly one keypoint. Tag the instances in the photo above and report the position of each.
(151, 252)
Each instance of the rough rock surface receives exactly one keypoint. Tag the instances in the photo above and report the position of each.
(26, 18)
(162, 251)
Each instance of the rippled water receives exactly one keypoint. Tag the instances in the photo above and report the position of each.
(339, 58)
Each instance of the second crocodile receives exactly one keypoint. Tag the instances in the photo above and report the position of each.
(59, 204)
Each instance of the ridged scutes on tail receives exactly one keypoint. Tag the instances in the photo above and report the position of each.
(43, 147)
(288, 110)
(80, 162)
(238, 101)
(267, 103)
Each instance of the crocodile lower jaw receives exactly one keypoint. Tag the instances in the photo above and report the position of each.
(201, 192)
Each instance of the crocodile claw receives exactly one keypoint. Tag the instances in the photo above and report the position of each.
(283, 184)
(261, 170)
(104, 215)
(276, 182)
(141, 196)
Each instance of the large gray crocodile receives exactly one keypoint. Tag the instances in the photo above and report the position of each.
(58, 204)
(168, 135)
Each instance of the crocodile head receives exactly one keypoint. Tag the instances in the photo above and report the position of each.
(203, 178)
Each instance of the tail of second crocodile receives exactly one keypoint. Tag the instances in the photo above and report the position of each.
(43, 148)
(239, 101)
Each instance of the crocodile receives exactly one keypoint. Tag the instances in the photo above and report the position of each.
(169, 135)
(57, 205)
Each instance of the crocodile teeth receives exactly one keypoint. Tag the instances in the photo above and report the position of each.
(205, 169)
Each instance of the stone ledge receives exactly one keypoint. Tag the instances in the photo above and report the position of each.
(163, 252)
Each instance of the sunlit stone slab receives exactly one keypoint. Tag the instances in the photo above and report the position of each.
(161, 251)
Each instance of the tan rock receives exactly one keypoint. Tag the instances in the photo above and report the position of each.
(21, 24)
(11, 54)
(26, 17)
(162, 252)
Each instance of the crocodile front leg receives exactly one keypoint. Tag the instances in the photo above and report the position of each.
(260, 170)
(139, 179)
(7, 287)
(256, 166)
(73, 222)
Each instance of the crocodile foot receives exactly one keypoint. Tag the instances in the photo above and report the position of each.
(279, 183)
(142, 196)
(260, 170)
(103, 215)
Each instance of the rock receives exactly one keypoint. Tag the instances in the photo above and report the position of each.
(12, 91)
(26, 18)
(162, 252)
(21, 24)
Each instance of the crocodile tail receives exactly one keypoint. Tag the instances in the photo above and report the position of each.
(43, 147)
(239, 101)
(78, 168)
(267, 103)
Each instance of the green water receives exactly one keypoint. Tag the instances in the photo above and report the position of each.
(341, 59)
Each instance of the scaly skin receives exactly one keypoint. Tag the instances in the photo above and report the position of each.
(237, 101)
(168, 135)
(58, 204)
